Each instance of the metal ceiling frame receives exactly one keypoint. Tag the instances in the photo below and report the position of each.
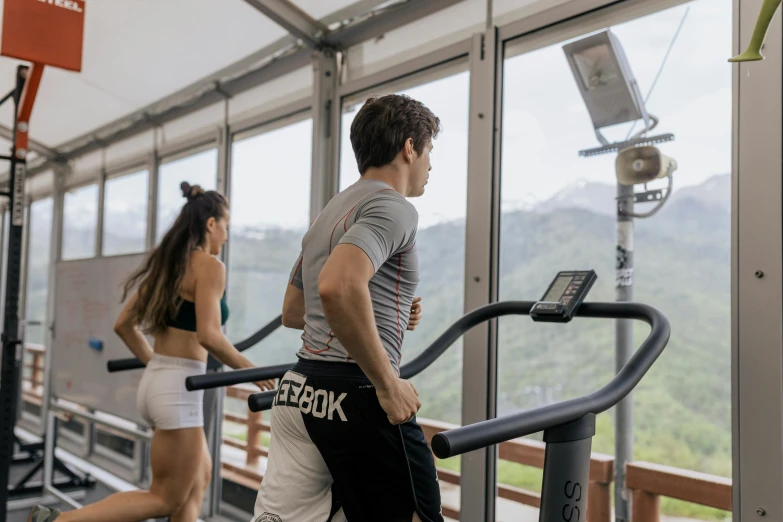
(293, 19)
(348, 27)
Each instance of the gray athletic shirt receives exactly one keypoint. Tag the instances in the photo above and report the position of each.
(376, 218)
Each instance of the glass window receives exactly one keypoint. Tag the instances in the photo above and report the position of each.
(37, 284)
(80, 222)
(270, 210)
(559, 213)
(441, 244)
(125, 214)
(198, 169)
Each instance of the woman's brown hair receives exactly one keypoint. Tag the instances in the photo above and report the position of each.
(160, 277)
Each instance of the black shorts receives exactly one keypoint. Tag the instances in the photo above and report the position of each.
(333, 451)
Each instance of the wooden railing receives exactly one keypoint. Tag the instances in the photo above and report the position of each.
(649, 482)
(32, 385)
(255, 426)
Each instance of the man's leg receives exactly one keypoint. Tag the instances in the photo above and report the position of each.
(381, 472)
(297, 485)
(424, 476)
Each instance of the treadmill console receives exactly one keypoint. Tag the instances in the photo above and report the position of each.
(564, 296)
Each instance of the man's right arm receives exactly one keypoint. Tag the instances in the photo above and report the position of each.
(294, 301)
(343, 286)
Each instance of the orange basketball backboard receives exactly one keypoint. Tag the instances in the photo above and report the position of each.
(49, 32)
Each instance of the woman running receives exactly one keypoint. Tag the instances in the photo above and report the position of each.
(181, 302)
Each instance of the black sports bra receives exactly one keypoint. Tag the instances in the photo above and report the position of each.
(186, 315)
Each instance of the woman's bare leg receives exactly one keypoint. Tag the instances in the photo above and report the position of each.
(176, 457)
(192, 508)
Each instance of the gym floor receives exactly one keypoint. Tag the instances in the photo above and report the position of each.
(18, 471)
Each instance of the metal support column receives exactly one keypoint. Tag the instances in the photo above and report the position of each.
(223, 184)
(153, 164)
(757, 273)
(3, 222)
(24, 259)
(213, 398)
(101, 211)
(23, 319)
(224, 156)
(61, 172)
(623, 427)
(9, 371)
(479, 371)
(326, 108)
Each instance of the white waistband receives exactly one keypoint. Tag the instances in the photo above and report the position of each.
(169, 361)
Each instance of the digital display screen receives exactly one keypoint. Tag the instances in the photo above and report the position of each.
(558, 288)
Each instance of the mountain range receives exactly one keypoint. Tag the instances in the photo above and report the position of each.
(599, 198)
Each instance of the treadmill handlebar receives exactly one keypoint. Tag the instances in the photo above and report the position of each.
(221, 379)
(132, 363)
(263, 401)
(494, 431)
(121, 365)
(260, 335)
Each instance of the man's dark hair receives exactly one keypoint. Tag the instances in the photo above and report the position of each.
(382, 126)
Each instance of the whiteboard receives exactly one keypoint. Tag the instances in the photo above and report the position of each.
(87, 303)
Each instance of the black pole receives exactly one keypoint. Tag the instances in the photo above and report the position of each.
(567, 471)
(11, 355)
(9, 96)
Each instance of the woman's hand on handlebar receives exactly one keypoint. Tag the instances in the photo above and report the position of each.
(266, 385)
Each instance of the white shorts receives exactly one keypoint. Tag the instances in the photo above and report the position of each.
(162, 399)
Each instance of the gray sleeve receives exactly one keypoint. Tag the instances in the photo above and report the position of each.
(296, 274)
(384, 225)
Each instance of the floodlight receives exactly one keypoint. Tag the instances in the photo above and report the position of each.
(604, 77)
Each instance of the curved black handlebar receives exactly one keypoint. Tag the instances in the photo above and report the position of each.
(132, 363)
(263, 401)
(260, 335)
(487, 433)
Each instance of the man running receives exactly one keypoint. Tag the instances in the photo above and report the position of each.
(344, 433)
